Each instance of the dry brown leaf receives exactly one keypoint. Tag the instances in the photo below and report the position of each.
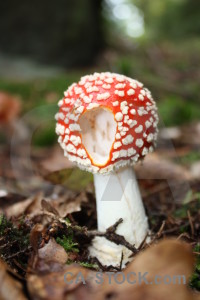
(53, 252)
(10, 288)
(68, 205)
(52, 286)
(155, 167)
(63, 205)
(17, 209)
(55, 161)
(10, 107)
(168, 257)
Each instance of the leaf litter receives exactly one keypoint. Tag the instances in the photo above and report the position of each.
(46, 234)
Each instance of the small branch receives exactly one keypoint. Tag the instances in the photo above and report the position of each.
(112, 236)
(190, 221)
(109, 234)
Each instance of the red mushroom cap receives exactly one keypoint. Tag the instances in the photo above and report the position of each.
(134, 111)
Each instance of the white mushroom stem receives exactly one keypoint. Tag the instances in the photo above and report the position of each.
(118, 196)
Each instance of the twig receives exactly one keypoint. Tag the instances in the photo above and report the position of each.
(190, 221)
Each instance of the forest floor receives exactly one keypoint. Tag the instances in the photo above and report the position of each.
(47, 207)
(48, 219)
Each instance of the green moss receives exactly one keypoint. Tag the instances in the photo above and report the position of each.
(195, 278)
(14, 242)
(68, 243)
(190, 158)
(176, 111)
(191, 203)
(74, 178)
(88, 265)
(45, 135)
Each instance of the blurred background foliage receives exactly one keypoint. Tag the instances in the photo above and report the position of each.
(46, 45)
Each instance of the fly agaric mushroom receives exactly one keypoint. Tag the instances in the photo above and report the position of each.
(106, 123)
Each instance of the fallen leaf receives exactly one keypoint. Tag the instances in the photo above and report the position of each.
(10, 107)
(53, 286)
(55, 161)
(52, 251)
(168, 257)
(10, 288)
(156, 167)
(73, 178)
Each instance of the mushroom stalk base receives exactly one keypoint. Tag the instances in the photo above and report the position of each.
(118, 196)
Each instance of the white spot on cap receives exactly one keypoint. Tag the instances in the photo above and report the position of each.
(123, 153)
(142, 111)
(67, 131)
(60, 129)
(91, 77)
(144, 135)
(120, 86)
(148, 124)
(86, 99)
(80, 109)
(118, 136)
(87, 162)
(78, 90)
(119, 93)
(125, 110)
(139, 143)
(120, 78)
(133, 111)
(60, 103)
(66, 120)
(150, 137)
(132, 123)
(143, 92)
(56, 116)
(117, 145)
(74, 127)
(139, 83)
(119, 116)
(139, 129)
(126, 119)
(73, 117)
(128, 139)
(82, 153)
(88, 84)
(106, 86)
(133, 84)
(131, 151)
(71, 148)
(108, 80)
(67, 100)
(92, 89)
(66, 109)
(66, 139)
(135, 158)
(115, 155)
(115, 103)
(151, 149)
(103, 96)
(123, 133)
(145, 151)
(123, 104)
(92, 105)
(98, 82)
(125, 128)
(141, 97)
(76, 140)
(131, 92)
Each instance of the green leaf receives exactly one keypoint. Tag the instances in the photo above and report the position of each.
(73, 178)
(67, 243)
